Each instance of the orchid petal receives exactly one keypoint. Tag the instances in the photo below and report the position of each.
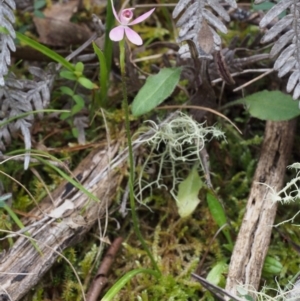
(133, 37)
(114, 11)
(142, 17)
(117, 33)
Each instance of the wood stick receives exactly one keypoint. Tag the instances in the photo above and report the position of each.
(100, 280)
(254, 236)
(23, 267)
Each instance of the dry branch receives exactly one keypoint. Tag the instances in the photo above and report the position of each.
(100, 279)
(22, 267)
(253, 239)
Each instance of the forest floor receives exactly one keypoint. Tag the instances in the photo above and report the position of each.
(220, 177)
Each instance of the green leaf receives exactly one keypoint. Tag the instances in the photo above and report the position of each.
(79, 101)
(271, 105)
(85, 82)
(68, 75)
(79, 67)
(103, 76)
(45, 50)
(65, 115)
(111, 293)
(271, 266)
(266, 7)
(75, 132)
(218, 214)
(108, 43)
(263, 6)
(216, 273)
(67, 90)
(155, 90)
(38, 14)
(187, 198)
(39, 4)
(75, 109)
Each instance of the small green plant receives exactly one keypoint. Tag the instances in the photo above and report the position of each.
(39, 4)
(78, 77)
(78, 102)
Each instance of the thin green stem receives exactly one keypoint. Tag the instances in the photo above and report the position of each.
(131, 163)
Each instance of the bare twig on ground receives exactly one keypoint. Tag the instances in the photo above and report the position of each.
(100, 279)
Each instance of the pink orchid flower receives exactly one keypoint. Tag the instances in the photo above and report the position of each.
(124, 17)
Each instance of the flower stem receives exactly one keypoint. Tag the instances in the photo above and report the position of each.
(130, 154)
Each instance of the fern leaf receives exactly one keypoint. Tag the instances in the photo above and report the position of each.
(23, 96)
(81, 122)
(277, 28)
(288, 45)
(6, 37)
(24, 126)
(199, 22)
(4, 136)
(39, 92)
(275, 11)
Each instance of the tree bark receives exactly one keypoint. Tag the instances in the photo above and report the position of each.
(254, 236)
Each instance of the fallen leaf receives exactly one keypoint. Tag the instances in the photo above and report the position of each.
(56, 29)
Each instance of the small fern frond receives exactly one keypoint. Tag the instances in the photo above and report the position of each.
(81, 122)
(7, 36)
(199, 24)
(39, 88)
(288, 45)
(23, 96)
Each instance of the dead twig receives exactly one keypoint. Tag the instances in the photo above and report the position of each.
(100, 280)
(254, 236)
